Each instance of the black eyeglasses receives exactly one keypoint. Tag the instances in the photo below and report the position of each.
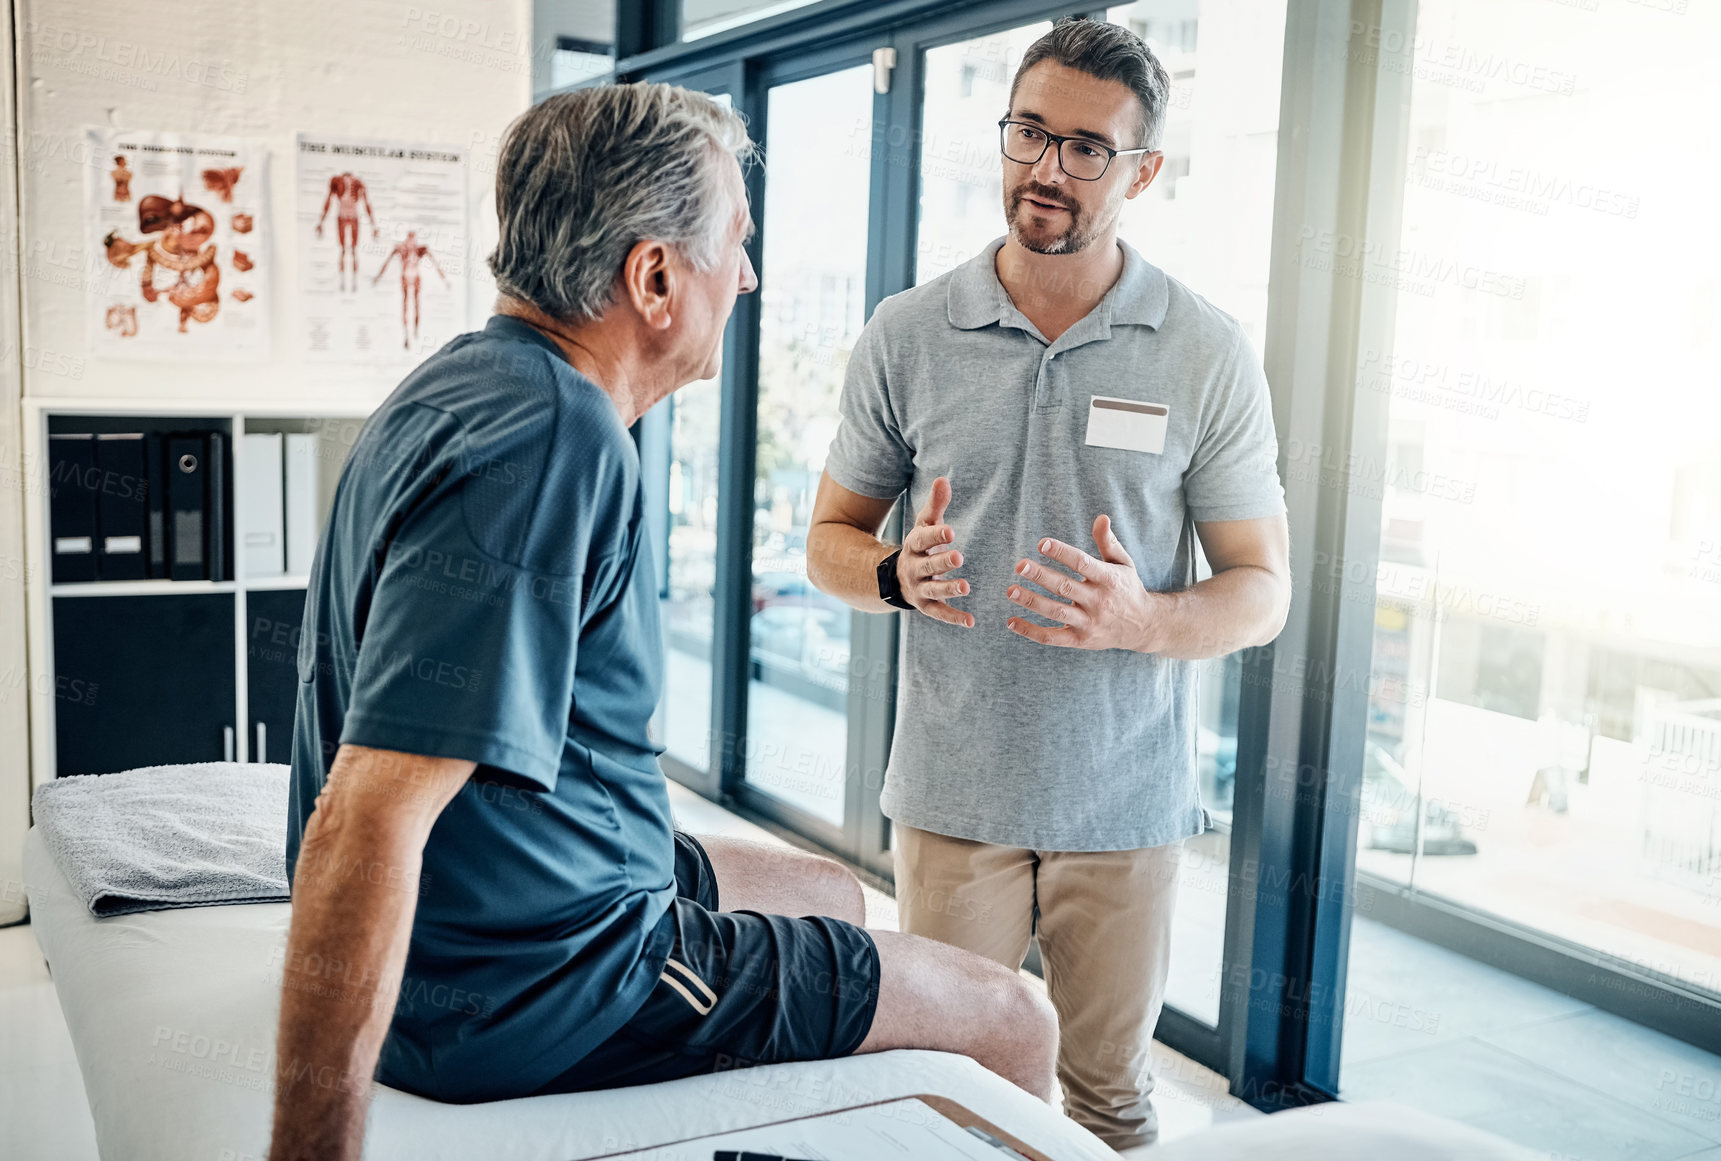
(1080, 157)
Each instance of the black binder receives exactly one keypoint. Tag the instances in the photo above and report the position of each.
(215, 505)
(122, 507)
(156, 488)
(72, 507)
(187, 479)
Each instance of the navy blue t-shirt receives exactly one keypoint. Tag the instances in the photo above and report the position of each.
(483, 591)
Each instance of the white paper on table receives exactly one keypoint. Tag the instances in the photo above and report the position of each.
(899, 1130)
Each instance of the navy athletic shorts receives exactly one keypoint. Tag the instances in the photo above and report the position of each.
(738, 989)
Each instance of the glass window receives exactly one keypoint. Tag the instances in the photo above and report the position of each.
(1544, 732)
(573, 61)
(961, 178)
(812, 288)
(701, 18)
(1548, 688)
(572, 41)
(689, 606)
(1207, 219)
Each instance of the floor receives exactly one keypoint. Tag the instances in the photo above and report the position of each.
(43, 1114)
(1427, 1027)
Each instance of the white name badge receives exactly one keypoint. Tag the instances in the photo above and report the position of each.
(1127, 424)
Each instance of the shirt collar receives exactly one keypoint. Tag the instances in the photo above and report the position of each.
(976, 298)
(509, 327)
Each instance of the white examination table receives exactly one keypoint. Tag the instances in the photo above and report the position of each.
(172, 1014)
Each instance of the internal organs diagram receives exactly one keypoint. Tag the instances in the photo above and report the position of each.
(347, 193)
(410, 251)
(180, 263)
(220, 182)
(122, 175)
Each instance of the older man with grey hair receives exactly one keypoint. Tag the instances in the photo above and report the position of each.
(489, 900)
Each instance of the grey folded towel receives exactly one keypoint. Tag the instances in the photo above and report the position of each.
(169, 836)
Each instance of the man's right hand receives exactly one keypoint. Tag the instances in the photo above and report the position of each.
(928, 552)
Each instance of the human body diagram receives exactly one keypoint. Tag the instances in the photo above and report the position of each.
(347, 193)
(410, 252)
(179, 263)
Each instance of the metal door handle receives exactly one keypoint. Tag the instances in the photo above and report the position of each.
(227, 743)
(262, 754)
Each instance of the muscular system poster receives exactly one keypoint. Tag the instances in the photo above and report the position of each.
(382, 249)
(179, 246)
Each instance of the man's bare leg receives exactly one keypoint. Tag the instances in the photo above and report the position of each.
(932, 995)
(773, 880)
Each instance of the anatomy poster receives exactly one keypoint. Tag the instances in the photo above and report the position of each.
(179, 246)
(382, 249)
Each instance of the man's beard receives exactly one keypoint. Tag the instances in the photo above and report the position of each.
(1074, 237)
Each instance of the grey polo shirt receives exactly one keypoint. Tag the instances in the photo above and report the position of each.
(1000, 739)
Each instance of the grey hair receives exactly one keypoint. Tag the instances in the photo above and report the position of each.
(1109, 52)
(585, 176)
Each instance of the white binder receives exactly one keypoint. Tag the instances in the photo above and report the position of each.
(301, 505)
(260, 505)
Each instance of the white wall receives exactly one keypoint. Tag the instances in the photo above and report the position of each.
(455, 75)
(454, 72)
(14, 569)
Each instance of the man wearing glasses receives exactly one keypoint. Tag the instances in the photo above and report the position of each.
(1061, 415)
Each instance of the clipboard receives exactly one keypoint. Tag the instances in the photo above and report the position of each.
(963, 1118)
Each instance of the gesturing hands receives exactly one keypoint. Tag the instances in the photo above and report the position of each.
(1105, 607)
(927, 554)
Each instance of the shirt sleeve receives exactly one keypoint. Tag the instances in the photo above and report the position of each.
(1234, 473)
(868, 454)
(468, 644)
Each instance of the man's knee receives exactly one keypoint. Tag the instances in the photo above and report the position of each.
(838, 884)
(1029, 1016)
(1012, 1013)
(1011, 1028)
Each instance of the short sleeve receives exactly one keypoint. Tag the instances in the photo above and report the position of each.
(1234, 473)
(465, 656)
(467, 648)
(869, 454)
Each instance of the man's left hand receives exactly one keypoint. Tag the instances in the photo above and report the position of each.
(1105, 606)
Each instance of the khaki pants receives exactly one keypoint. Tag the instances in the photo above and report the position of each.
(1104, 926)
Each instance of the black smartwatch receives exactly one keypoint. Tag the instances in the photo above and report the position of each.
(889, 588)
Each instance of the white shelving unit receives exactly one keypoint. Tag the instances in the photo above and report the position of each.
(143, 588)
(40, 596)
